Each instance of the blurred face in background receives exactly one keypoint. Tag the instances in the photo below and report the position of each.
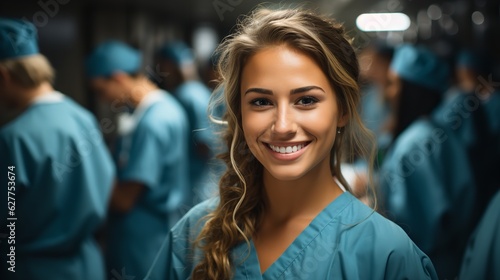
(108, 89)
(171, 75)
(466, 79)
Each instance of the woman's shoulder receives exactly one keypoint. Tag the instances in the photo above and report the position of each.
(371, 235)
(370, 223)
(361, 224)
(193, 221)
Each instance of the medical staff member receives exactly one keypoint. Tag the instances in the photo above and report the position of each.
(177, 59)
(151, 159)
(465, 113)
(374, 65)
(427, 184)
(60, 172)
(482, 256)
(284, 210)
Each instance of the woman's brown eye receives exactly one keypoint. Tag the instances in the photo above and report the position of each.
(260, 102)
(307, 100)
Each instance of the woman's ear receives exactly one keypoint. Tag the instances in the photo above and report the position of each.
(343, 120)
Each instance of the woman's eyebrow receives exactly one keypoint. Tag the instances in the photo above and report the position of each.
(259, 90)
(305, 89)
(293, 91)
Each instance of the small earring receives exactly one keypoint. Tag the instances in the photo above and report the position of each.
(339, 130)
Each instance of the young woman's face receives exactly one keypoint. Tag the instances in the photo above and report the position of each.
(289, 112)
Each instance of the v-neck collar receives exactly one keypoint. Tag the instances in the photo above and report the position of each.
(247, 262)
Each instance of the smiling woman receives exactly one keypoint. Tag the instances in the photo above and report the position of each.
(288, 104)
(289, 79)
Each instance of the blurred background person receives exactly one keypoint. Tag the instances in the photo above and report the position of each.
(482, 256)
(464, 114)
(177, 60)
(61, 170)
(374, 62)
(150, 156)
(427, 185)
(70, 29)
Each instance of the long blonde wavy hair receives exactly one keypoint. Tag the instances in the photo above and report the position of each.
(240, 208)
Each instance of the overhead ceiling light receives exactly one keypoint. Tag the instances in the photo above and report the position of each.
(371, 22)
(477, 18)
(434, 12)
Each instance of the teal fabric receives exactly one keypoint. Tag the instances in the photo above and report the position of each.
(110, 57)
(156, 158)
(194, 98)
(419, 65)
(18, 38)
(482, 258)
(427, 187)
(347, 240)
(64, 176)
(458, 113)
(470, 120)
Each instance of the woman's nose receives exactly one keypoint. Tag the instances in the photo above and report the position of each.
(284, 124)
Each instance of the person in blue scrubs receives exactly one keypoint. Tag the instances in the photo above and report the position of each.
(150, 156)
(464, 112)
(374, 63)
(57, 173)
(426, 179)
(284, 209)
(482, 256)
(177, 59)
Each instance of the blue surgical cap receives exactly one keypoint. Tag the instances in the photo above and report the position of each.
(420, 66)
(472, 60)
(177, 52)
(17, 38)
(110, 57)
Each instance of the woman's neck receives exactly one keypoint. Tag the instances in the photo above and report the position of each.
(303, 198)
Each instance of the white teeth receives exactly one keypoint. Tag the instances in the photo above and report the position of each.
(288, 149)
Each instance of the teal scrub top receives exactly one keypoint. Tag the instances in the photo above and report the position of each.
(153, 152)
(194, 97)
(427, 187)
(63, 179)
(459, 112)
(482, 257)
(347, 240)
(467, 117)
